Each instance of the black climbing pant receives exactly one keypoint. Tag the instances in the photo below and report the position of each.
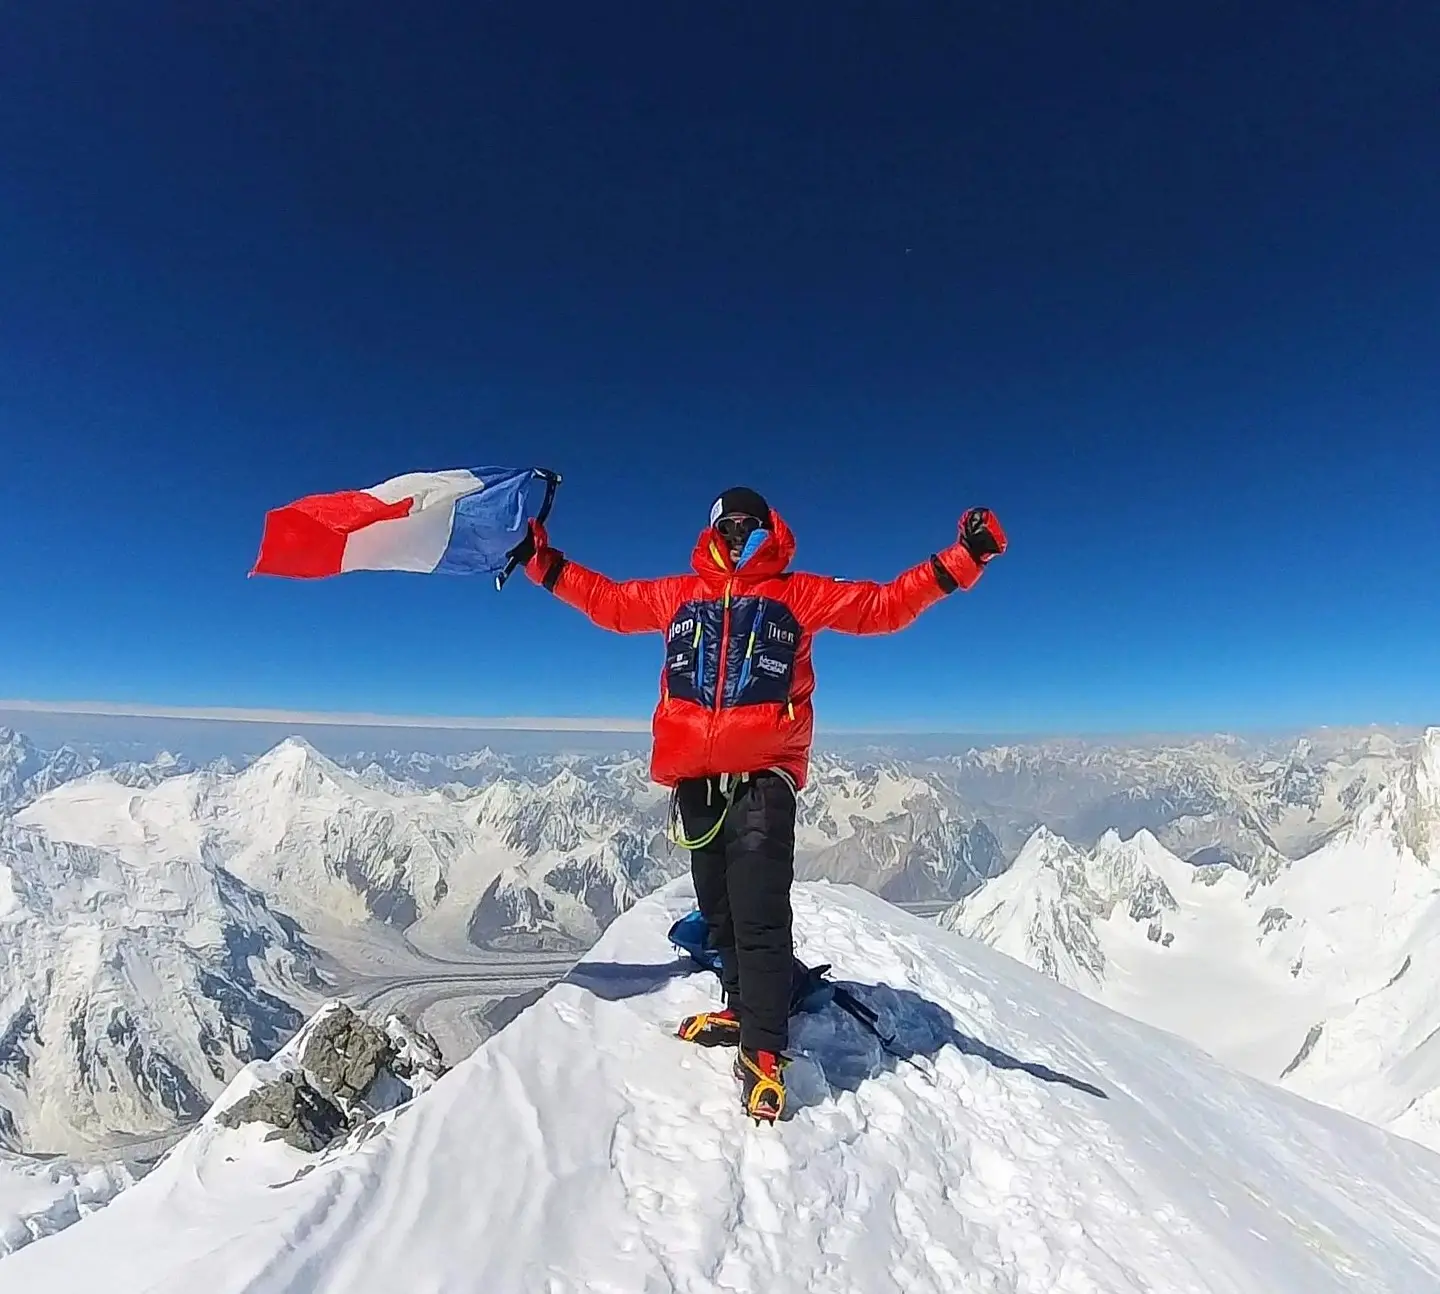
(742, 883)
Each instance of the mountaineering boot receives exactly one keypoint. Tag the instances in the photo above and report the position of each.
(762, 1089)
(711, 1028)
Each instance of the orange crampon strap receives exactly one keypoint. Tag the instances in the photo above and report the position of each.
(693, 1026)
(765, 1086)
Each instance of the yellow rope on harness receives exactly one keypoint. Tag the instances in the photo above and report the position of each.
(677, 837)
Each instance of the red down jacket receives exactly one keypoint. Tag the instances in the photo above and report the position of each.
(736, 686)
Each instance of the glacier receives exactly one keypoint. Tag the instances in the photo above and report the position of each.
(1033, 1142)
(39, 1197)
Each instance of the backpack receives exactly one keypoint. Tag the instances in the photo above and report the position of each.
(810, 988)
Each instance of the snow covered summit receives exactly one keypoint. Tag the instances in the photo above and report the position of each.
(1037, 1142)
(312, 837)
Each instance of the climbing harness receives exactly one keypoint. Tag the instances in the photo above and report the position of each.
(729, 783)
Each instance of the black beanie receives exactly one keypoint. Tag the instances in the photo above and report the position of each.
(743, 500)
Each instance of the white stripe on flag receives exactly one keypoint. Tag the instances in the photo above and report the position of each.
(416, 542)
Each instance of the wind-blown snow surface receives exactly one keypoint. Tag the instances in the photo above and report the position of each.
(1038, 1143)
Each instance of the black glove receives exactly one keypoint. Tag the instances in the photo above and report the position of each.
(982, 535)
(525, 549)
(551, 560)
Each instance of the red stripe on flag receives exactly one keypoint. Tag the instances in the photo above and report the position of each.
(306, 539)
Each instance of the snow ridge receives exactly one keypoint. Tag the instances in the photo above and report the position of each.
(1033, 1142)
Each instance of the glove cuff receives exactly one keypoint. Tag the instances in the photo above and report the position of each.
(955, 568)
(546, 567)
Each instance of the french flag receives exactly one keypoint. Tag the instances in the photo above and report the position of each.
(460, 522)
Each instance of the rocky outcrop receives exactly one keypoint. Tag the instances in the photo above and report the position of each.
(347, 1070)
(296, 1111)
(344, 1055)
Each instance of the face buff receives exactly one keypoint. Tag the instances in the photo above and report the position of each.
(740, 518)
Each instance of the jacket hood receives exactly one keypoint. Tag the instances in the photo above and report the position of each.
(711, 559)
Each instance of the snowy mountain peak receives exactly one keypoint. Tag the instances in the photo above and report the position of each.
(1117, 867)
(161, 981)
(15, 747)
(1057, 907)
(313, 837)
(1031, 1141)
(1143, 844)
(26, 771)
(1041, 912)
(1045, 848)
(1112, 840)
(1406, 811)
(1424, 823)
(1427, 768)
(566, 783)
(295, 768)
(496, 804)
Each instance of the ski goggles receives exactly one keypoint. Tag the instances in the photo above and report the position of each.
(736, 528)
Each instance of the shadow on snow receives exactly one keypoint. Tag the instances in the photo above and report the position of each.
(615, 981)
(909, 1029)
(914, 1030)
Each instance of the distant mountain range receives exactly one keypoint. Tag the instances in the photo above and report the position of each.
(208, 890)
(533, 852)
(1322, 975)
(129, 994)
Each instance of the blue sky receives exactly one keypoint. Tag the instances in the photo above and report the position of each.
(1161, 290)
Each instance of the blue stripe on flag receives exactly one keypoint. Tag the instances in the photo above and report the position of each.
(490, 522)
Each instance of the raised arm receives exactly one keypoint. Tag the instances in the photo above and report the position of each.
(867, 607)
(622, 606)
